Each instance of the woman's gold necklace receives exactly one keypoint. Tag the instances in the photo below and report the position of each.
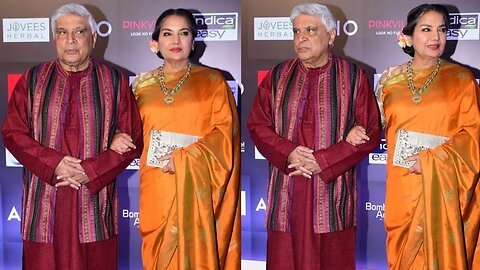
(169, 93)
(416, 98)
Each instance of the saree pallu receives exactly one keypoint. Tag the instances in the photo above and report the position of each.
(432, 219)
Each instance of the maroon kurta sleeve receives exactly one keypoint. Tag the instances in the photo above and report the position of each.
(260, 124)
(342, 156)
(103, 168)
(36, 158)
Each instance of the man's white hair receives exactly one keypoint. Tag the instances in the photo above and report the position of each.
(315, 9)
(75, 9)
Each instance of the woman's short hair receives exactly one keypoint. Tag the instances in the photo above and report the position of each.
(185, 13)
(413, 17)
(74, 9)
(321, 11)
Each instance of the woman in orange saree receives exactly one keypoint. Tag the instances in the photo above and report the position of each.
(432, 206)
(189, 204)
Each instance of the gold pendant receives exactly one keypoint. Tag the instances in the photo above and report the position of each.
(168, 100)
(416, 99)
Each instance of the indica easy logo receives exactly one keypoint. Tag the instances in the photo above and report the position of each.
(379, 155)
(463, 26)
(216, 26)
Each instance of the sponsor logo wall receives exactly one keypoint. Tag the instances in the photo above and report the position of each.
(366, 33)
(124, 30)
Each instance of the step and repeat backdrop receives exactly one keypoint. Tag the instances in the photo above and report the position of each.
(366, 34)
(124, 31)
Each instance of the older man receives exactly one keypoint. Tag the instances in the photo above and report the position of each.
(60, 122)
(301, 116)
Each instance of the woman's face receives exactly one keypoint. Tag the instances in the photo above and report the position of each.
(429, 36)
(175, 39)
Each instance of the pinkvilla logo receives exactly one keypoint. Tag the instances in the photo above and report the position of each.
(139, 28)
(210, 26)
(386, 27)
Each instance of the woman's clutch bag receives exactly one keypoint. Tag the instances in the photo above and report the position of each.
(163, 143)
(410, 143)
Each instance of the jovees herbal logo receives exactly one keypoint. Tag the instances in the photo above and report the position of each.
(26, 30)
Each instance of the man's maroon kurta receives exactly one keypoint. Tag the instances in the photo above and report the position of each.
(311, 222)
(53, 113)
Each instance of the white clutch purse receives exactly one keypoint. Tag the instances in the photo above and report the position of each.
(163, 143)
(410, 143)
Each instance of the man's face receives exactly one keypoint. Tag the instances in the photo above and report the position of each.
(311, 40)
(74, 42)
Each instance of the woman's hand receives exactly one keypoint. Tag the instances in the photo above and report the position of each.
(170, 167)
(415, 168)
(122, 143)
(357, 135)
